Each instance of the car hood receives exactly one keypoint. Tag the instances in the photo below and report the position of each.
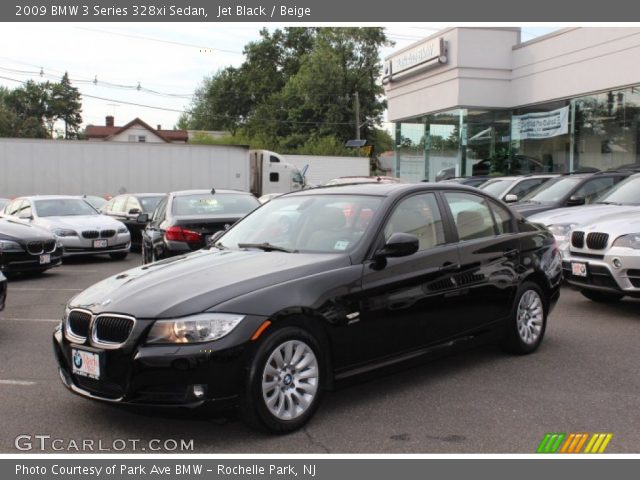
(615, 225)
(196, 282)
(15, 230)
(80, 222)
(580, 215)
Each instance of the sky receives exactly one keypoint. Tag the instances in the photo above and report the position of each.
(146, 70)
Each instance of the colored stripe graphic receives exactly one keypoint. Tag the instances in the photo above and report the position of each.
(574, 442)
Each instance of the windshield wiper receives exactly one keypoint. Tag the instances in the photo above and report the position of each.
(608, 203)
(267, 247)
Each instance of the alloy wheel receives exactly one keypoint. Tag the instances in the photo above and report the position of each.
(530, 317)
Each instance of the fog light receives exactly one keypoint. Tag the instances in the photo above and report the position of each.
(199, 391)
(616, 262)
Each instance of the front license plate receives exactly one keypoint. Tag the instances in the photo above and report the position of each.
(45, 259)
(86, 363)
(579, 269)
(99, 244)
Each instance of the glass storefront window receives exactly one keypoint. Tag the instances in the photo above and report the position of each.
(410, 151)
(606, 134)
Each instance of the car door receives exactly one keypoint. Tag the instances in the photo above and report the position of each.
(406, 302)
(489, 250)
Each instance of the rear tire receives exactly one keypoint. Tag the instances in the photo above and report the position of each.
(284, 385)
(119, 255)
(528, 320)
(601, 297)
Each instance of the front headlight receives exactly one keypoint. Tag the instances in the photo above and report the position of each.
(631, 240)
(203, 327)
(123, 229)
(9, 246)
(65, 232)
(561, 230)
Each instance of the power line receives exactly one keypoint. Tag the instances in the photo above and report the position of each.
(159, 40)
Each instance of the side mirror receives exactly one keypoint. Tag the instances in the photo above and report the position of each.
(134, 211)
(575, 200)
(511, 198)
(143, 218)
(399, 245)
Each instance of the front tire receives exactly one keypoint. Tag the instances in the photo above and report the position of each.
(527, 322)
(601, 297)
(284, 385)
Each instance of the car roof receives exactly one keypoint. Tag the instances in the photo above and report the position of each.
(141, 195)
(51, 197)
(180, 193)
(380, 189)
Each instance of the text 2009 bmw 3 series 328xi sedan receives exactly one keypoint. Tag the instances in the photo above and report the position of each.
(309, 290)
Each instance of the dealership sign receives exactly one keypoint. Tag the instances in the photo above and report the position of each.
(540, 124)
(425, 55)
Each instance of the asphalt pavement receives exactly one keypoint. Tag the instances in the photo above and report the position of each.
(584, 378)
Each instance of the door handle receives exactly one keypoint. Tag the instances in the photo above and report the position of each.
(511, 253)
(449, 267)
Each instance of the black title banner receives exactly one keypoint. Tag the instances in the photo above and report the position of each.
(334, 11)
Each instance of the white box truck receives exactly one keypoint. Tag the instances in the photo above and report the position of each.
(73, 167)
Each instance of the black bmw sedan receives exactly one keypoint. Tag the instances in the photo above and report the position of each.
(27, 248)
(309, 290)
(185, 221)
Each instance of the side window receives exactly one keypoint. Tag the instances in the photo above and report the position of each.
(471, 215)
(420, 216)
(160, 212)
(504, 220)
(119, 204)
(273, 159)
(594, 187)
(526, 186)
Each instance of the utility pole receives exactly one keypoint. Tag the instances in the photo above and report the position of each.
(357, 110)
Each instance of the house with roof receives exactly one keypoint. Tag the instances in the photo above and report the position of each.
(136, 131)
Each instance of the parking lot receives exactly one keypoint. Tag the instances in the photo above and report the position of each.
(584, 378)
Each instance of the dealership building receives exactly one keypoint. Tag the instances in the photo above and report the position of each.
(563, 102)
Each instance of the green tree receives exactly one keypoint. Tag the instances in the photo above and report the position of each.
(65, 105)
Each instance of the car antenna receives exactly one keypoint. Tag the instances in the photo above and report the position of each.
(213, 191)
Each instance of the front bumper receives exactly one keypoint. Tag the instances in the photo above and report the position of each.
(602, 275)
(15, 262)
(162, 375)
(121, 242)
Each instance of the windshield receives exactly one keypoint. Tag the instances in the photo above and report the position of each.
(149, 204)
(496, 187)
(216, 204)
(62, 207)
(626, 192)
(552, 191)
(318, 223)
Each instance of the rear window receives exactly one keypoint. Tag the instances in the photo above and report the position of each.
(218, 204)
(149, 204)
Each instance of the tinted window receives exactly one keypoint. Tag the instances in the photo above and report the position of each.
(526, 186)
(420, 216)
(626, 192)
(471, 215)
(218, 204)
(553, 190)
(594, 187)
(502, 217)
(63, 207)
(149, 204)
